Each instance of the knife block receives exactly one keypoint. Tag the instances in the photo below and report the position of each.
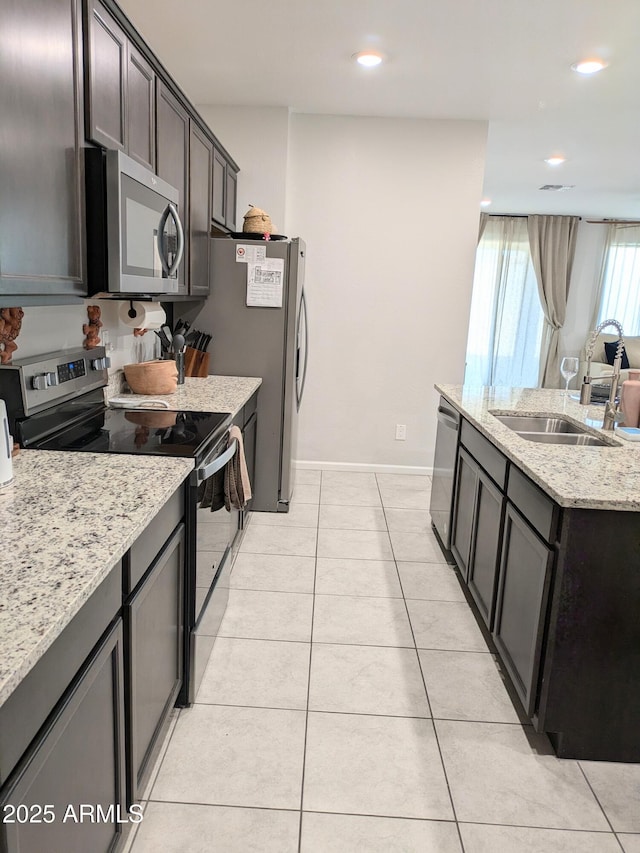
(196, 362)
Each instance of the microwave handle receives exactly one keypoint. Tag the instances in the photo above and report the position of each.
(170, 211)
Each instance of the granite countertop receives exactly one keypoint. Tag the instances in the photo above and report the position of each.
(574, 476)
(66, 520)
(208, 394)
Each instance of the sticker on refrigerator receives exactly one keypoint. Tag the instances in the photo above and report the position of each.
(264, 283)
(250, 254)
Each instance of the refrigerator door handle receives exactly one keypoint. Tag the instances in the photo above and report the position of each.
(302, 315)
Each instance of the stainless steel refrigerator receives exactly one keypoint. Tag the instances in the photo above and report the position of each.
(257, 314)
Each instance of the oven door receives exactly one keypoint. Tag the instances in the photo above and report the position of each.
(216, 531)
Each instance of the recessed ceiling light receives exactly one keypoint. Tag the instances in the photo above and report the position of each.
(485, 202)
(555, 161)
(589, 66)
(368, 58)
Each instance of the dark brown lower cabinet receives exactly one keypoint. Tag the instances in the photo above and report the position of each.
(485, 547)
(249, 441)
(464, 505)
(76, 762)
(523, 590)
(477, 531)
(564, 586)
(154, 629)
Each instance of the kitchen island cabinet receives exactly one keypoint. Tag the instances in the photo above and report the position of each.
(567, 556)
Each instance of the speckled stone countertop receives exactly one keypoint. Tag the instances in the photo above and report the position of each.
(574, 476)
(209, 394)
(66, 520)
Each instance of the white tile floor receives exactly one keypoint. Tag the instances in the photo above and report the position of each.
(351, 706)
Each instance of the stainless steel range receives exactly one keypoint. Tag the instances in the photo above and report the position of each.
(56, 402)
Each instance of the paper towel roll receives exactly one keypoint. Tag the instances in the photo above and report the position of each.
(148, 315)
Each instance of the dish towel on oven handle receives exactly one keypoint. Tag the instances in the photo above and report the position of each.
(237, 488)
(211, 492)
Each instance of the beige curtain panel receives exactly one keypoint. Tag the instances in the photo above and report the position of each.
(552, 240)
(484, 218)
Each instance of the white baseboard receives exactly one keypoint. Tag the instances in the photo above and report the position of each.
(362, 467)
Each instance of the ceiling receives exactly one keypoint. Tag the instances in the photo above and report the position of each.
(505, 61)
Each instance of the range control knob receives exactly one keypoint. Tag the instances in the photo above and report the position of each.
(101, 363)
(42, 381)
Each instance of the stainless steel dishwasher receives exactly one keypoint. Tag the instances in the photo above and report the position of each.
(444, 471)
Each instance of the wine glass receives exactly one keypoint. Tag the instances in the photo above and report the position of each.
(568, 369)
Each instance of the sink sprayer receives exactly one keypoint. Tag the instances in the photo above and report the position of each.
(610, 409)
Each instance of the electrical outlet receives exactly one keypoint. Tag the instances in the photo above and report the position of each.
(401, 432)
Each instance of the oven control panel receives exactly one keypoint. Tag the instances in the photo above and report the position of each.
(71, 370)
(32, 384)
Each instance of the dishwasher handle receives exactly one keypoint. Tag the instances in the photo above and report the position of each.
(219, 462)
(448, 419)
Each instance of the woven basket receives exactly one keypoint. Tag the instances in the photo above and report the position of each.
(256, 221)
(152, 377)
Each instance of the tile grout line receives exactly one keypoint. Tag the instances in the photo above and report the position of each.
(435, 733)
(151, 783)
(306, 716)
(606, 816)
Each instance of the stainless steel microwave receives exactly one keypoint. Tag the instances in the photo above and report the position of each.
(134, 233)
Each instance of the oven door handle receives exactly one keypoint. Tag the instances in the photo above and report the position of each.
(219, 462)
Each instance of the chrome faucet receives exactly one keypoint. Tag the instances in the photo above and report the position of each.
(610, 408)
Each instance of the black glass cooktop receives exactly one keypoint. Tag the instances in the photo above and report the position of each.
(140, 431)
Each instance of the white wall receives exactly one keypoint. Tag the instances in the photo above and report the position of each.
(59, 327)
(389, 209)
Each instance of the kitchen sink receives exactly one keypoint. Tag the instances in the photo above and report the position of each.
(579, 439)
(538, 423)
(551, 430)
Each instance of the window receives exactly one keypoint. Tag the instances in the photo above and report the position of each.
(506, 320)
(620, 286)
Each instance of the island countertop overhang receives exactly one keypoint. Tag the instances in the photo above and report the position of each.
(605, 478)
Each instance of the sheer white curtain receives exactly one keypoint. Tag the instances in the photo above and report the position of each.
(620, 286)
(506, 320)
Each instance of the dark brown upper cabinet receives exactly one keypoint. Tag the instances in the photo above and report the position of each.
(223, 192)
(200, 166)
(218, 188)
(120, 88)
(41, 174)
(172, 155)
(140, 108)
(230, 201)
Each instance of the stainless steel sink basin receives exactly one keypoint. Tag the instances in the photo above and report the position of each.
(551, 430)
(579, 439)
(535, 423)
